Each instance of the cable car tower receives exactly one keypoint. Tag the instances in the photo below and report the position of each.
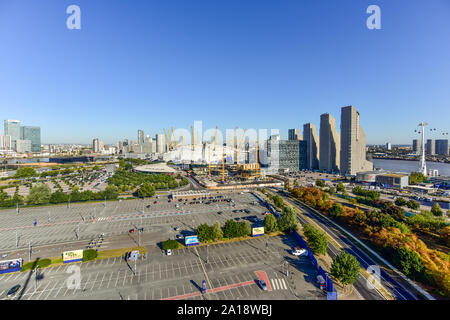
(423, 165)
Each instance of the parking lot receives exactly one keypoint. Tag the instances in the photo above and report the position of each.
(85, 221)
(230, 270)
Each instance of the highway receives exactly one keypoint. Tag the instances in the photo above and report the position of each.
(386, 280)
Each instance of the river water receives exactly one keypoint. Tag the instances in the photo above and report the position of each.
(410, 166)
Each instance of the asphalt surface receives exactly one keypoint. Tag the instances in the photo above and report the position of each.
(229, 269)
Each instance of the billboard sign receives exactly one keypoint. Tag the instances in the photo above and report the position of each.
(191, 241)
(72, 256)
(256, 232)
(13, 265)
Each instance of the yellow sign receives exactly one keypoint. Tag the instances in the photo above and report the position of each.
(258, 231)
(72, 256)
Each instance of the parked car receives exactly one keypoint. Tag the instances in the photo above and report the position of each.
(176, 228)
(13, 290)
(262, 284)
(131, 231)
(297, 251)
(169, 252)
(180, 236)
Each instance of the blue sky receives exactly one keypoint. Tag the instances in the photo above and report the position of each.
(148, 64)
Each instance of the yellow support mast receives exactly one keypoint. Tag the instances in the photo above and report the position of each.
(174, 139)
(168, 140)
(223, 165)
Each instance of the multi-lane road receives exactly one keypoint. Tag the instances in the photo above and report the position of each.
(397, 289)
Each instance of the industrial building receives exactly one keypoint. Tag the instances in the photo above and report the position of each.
(393, 180)
(368, 176)
(191, 194)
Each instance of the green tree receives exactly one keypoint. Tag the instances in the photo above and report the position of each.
(89, 254)
(230, 229)
(320, 183)
(336, 210)
(25, 173)
(58, 197)
(345, 268)
(409, 262)
(288, 220)
(413, 205)
(400, 202)
(270, 223)
(110, 193)
(278, 201)
(436, 210)
(340, 187)
(39, 194)
(204, 232)
(217, 233)
(146, 190)
(317, 241)
(331, 190)
(416, 177)
(244, 228)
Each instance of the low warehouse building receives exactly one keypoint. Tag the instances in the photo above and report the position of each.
(393, 180)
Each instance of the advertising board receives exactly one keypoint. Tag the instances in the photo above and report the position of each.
(191, 241)
(72, 256)
(256, 232)
(12, 265)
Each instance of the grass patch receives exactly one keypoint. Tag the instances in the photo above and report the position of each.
(37, 263)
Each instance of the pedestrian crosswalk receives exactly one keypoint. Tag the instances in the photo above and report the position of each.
(278, 284)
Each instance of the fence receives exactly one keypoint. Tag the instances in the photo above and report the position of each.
(329, 283)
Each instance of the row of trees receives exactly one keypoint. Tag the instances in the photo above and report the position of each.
(231, 229)
(317, 241)
(41, 194)
(390, 231)
(134, 179)
(368, 194)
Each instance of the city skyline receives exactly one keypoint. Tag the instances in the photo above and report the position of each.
(276, 72)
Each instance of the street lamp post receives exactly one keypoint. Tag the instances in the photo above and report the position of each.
(287, 269)
(17, 240)
(29, 250)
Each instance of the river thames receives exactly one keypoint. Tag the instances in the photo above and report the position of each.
(410, 166)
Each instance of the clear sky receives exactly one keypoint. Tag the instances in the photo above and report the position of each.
(150, 64)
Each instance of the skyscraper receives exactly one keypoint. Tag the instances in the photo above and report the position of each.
(416, 146)
(431, 147)
(140, 137)
(442, 147)
(34, 135)
(95, 145)
(330, 144)
(160, 143)
(12, 128)
(294, 134)
(353, 143)
(312, 145)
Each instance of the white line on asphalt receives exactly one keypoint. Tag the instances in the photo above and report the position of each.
(43, 291)
(51, 290)
(284, 284)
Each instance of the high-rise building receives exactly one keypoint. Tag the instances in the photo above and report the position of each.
(140, 137)
(33, 134)
(5, 144)
(353, 143)
(96, 145)
(388, 146)
(330, 144)
(23, 146)
(160, 143)
(286, 154)
(416, 146)
(12, 128)
(303, 148)
(294, 134)
(431, 147)
(312, 145)
(442, 147)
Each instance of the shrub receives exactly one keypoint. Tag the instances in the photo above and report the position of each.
(270, 223)
(170, 244)
(89, 254)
